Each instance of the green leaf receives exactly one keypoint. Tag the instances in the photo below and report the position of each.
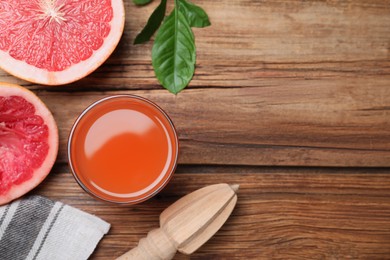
(195, 15)
(142, 2)
(174, 53)
(153, 23)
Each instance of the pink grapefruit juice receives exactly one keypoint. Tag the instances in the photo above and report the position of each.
(123, 149)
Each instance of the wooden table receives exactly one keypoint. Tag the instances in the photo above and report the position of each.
(291, 100)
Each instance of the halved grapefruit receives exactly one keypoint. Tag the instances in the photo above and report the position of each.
(55, 42)
(28, 141)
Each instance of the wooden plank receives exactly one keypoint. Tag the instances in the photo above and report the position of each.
(317, 123)
(283, 214)
(260, 43)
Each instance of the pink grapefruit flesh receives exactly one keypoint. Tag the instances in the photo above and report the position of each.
(55, 42)
(28, 141)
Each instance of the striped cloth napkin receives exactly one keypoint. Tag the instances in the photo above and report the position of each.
(38, 228)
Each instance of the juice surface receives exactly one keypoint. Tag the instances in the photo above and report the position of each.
(123, 149)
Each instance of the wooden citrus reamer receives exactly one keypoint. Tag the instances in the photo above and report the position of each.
(187, 224)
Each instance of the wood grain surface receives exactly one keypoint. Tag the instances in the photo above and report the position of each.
(302, 83)
(316, 125)
(280, 214)
(290, 99)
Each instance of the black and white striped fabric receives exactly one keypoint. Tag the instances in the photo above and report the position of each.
(38, 228)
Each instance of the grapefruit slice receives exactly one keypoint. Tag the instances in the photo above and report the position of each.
(28, 141)
(55, 42)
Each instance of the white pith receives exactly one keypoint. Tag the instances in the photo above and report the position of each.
(51, 11)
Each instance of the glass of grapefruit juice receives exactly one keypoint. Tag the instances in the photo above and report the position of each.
(123, 149)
